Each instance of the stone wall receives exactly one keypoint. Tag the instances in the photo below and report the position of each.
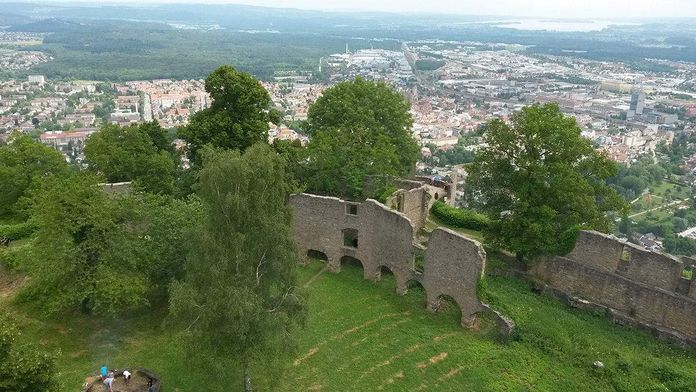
(453, 262)
(414, 203)
(640, 285)
(117, 188)
(384, 236)
(453, 266)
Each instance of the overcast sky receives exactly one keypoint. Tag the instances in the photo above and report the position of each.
(542, 8)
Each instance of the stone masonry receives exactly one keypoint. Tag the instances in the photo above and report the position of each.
(378, 236)
(644, 287)
(453, 266)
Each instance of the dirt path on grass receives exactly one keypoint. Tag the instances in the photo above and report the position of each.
(315, 277)
(10, 283)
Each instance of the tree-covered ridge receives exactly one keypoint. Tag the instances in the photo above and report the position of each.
(121, 51)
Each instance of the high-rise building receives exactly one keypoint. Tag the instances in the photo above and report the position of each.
(637, 104)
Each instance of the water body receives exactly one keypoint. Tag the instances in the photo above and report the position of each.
(559, 25)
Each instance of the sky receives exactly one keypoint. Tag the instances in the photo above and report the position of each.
(536, 8)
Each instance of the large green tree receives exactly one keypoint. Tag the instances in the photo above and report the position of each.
(23, 161)
(238, 116)
(100, 253)
(138, 153)
(239, 300)
(540, 182)
(359, 128)
(81, 256)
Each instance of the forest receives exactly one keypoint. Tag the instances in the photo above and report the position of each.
(120, 51)
(187, 41)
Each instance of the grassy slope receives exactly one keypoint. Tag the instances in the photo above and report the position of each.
(362, 336)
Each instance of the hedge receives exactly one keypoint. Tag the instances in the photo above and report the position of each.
(459, 217)
(16, 232)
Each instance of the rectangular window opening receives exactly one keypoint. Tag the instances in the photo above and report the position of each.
(352, 209)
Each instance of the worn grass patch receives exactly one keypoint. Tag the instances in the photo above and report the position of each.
(361, 336)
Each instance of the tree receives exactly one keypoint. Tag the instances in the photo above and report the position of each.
(22, 162)
(239, 298)
(295, 154)
(359, 128)
(138, 153)
(84, 256)
(238, 116)
(163, 227)
(23, 367)
(104, 253)
(540, 182)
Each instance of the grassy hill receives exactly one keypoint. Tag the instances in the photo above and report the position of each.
(362, 336)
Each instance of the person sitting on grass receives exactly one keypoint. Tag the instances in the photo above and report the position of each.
(127, 376)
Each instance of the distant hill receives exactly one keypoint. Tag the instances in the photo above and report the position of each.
(9, 19)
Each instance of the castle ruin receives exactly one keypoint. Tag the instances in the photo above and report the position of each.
(634, 285)
(378, 237)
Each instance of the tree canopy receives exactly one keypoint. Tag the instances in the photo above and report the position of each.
(100, 253)
(23, 161)
(358, 128)
(138, 153)
(239, 298)
(540, 182)
(238, 116)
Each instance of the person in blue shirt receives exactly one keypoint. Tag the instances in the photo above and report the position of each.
(104, 371)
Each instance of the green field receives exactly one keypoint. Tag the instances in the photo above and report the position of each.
(659, 197)
(361, 336)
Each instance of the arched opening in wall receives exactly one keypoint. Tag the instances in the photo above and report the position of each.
(449, 309)
(317, 255)
(351, 265)
(437, 196)
(386, 276)
(350, 238)
(415, 292)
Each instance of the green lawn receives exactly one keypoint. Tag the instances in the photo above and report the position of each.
(362, 336)
(433, 222)
(657, 197)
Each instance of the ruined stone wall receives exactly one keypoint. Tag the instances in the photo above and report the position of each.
(384, 236)
(453, 266)
(117, 188)
(412, 198)
(642, 285)
(414, 204)
(453, 262)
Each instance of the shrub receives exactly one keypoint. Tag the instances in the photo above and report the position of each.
(459, 217)
(23, 367)
(17, 231)
(384, 192)
(10, 257)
